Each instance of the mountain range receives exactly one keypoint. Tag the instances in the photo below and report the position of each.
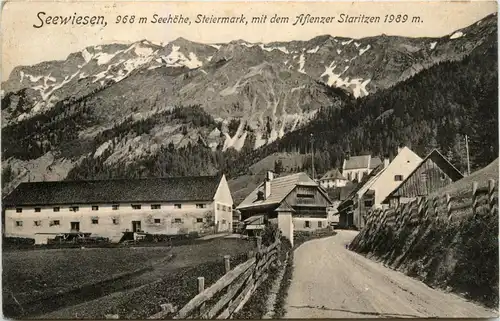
(144, 104)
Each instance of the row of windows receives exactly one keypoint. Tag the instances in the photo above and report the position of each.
(114, 207)
(224, 208)
(308, 224)
(115, 221)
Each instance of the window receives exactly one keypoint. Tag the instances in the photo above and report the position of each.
(19, 210)
(37, 223)
(95, 221)
(199, 220)
(178, 205)
(157, 221)
(368, 203)
(305, 195)
(54, 223)
(201, 205)
(56, 209)
(74, 208)
(218, 206)
(307, 224)
(320, 224)
(223, 221)
(178, 220)
(115, 207)
(442, 176)
(136, 206)
(398, 177)
(19, 223)
(223, 208)
(115, 221)
(38, 209)
(155, 206)
(95, 208)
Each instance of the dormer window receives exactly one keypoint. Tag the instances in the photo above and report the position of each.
(260, 195)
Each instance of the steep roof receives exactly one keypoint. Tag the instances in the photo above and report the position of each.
(169, 189)
(374, 162)
(333, 174)
(355, 162)
(439, 160)
(280, 188)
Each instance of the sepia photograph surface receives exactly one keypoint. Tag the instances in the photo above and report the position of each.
(238, 160)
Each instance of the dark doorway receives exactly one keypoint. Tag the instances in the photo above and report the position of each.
(75, 226)
(136, 226)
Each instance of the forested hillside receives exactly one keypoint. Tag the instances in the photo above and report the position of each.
(434, 109)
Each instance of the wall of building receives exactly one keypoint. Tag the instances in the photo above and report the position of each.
(109, 222)
(223, 207)
(329, 183)
(403, 164)
(286, 225)
(357, 173)
(309, 223)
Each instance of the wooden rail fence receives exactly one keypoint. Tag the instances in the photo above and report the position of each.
(236, 286)
(428, 208)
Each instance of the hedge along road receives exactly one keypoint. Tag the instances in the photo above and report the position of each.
(330, 281)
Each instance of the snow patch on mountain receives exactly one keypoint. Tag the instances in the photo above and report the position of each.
(282, 49)
(358, 86)
(298, 88)
(339, 51)
(457, 35)
(216, 46)
(178, 59)
(314, 50)
(31, 77)
(302, 61)
(357, 44)
(433, 44)
(346, 42)
(362, 51)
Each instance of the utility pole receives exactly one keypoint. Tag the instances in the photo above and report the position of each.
(467, 148)
(312, 154)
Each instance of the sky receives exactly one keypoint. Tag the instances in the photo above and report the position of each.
(22, 44)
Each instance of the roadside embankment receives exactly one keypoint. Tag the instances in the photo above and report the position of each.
(447, 240)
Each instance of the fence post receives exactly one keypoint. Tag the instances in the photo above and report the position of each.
(201, 288)
(259, 243)
(474, 198)
(227, 263)
(491, 196)
(448, 206)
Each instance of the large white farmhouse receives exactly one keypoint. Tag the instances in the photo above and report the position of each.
(107, 208)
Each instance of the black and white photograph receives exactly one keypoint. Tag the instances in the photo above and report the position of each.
(237, 160)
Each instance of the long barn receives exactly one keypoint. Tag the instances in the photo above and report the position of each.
(107, 208)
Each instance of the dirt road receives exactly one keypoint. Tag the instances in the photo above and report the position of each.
(330, 281)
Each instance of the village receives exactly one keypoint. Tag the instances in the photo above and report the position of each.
(168, 213)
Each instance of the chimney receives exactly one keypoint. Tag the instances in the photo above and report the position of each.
(386, 161)
(400, 147)
(267, 184)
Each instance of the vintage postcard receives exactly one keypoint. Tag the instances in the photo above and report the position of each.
(249, 160)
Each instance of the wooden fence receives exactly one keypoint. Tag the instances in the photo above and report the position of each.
(438, 208)
(228, 295)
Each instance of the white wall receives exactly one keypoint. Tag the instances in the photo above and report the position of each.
(329, 183)
(188, 213)
(357, 173)
(300, 222)
(286, 225)
(403, 164)
(223, 207)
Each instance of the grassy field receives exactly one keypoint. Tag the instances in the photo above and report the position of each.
(45, 281)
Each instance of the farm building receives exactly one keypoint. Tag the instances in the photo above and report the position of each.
(433, 173)
(333, 178)
(354, 168)
(107, 208)
(295, 202)
(375, 187)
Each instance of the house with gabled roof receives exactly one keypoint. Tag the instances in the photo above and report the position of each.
(433, 173)
(375, 187)
(333, 178)
(354, 168)
(108, 208)
(294, 202)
